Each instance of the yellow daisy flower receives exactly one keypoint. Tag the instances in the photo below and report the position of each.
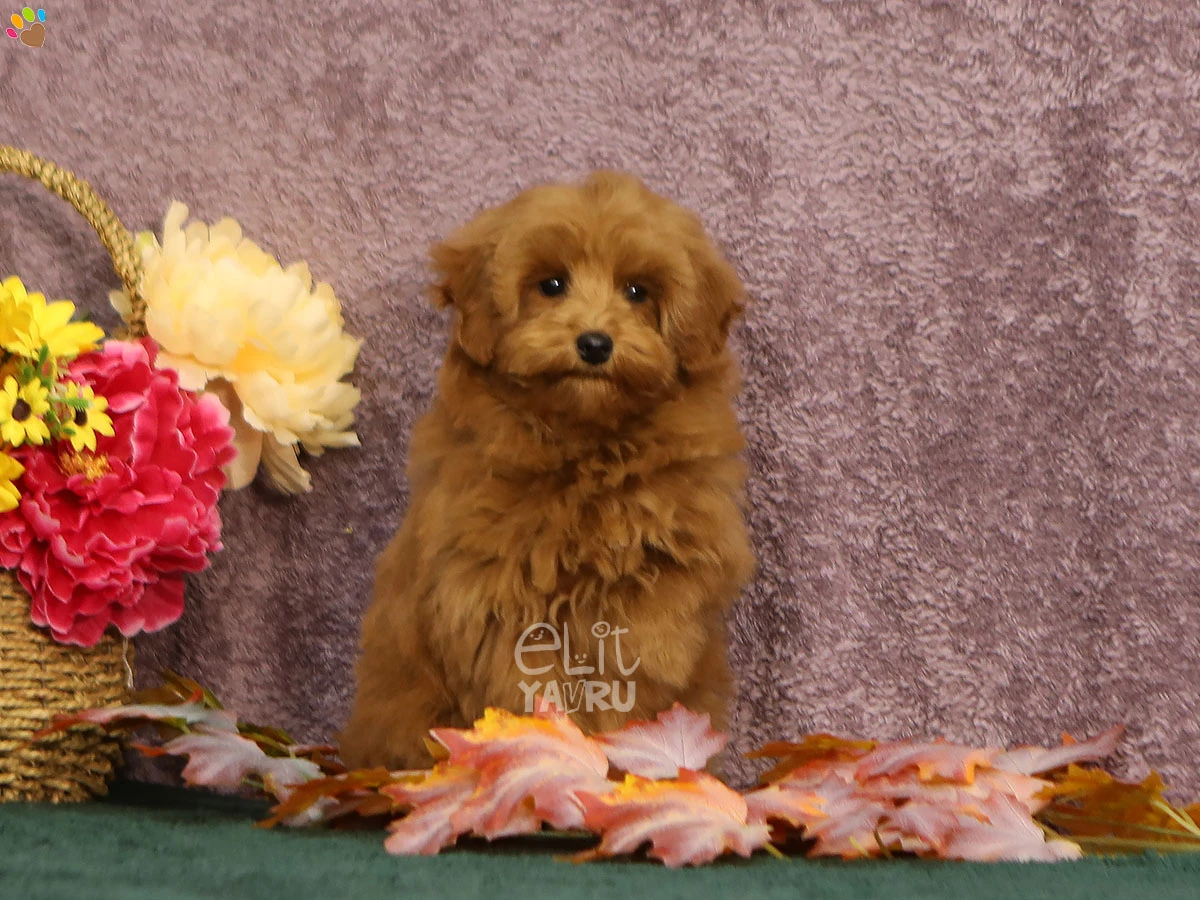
(14, 308)
(87, 423)
(21, 411)
(10, 471)
(33, 324)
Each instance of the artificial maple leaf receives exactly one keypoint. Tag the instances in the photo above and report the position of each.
(434, 800)
(337, 796)
(812, 748)
(1024, 789)
(1035, 760)
(273, 741)
(1003, 830)
(931, 760)
(928, 798)
(222, 758)
(523, 760)
(690, 820)
(678, 739)
(1105, 813)
(827, 804)
(177, 689)
(180, 717)
(507, 775)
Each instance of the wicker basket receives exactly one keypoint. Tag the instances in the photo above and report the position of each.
(38, 676)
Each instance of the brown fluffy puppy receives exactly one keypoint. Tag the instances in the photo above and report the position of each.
(578, 469)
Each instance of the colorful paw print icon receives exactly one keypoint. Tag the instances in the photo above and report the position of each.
(35, 34)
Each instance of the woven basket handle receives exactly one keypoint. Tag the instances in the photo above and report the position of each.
(115, 236)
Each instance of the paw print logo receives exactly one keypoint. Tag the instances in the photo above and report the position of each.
(28, 27)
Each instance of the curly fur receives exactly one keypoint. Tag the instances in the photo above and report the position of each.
(545, 489)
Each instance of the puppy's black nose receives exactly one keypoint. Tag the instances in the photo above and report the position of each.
(595, 347)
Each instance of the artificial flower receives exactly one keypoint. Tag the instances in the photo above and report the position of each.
(13, 308)
(231, 320)
(32, 323)
(105, 537)
(89, 420)
(22, 407)
(10, 471)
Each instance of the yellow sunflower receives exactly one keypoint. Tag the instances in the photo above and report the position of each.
(21, 410)
(89, 422)
(10, 471)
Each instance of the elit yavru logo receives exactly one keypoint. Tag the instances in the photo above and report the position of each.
(29, 27)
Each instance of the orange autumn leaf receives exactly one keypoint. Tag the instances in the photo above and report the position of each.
(813, 748)
(1092, 804)
(931, 798)
(507, 775)
(1000, 829)
(176, 689)
(435, 799)
(844, 816)
(337, 796)
(1036, 760)
(218, 758)
(174, 717)
(932, 760)
(690, 820)
(540, 759)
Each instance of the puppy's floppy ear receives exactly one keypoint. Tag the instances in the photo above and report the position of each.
(463, 264)
(699, 326)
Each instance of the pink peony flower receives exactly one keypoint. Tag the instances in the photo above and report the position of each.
(106, 538)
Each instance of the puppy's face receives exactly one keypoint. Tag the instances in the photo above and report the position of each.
(597, 301)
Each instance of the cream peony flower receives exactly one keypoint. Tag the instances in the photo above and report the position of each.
(232, 321)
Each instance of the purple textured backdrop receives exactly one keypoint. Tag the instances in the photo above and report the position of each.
(970, 236)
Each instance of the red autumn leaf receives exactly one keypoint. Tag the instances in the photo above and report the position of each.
(679, 739)
(1035, 760)
(688, 821)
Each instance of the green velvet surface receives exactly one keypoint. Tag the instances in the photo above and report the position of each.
(149, 843)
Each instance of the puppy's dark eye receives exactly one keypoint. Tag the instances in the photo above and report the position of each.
(555, 286)
(636, 293)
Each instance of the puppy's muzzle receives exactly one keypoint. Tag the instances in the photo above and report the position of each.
(595, 347)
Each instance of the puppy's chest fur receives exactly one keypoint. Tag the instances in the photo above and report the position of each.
(620, 539)
(586, 535)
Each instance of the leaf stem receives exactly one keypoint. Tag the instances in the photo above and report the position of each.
(1133, 845)
(1184, 820)
(1068, 818)
(775, 852)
